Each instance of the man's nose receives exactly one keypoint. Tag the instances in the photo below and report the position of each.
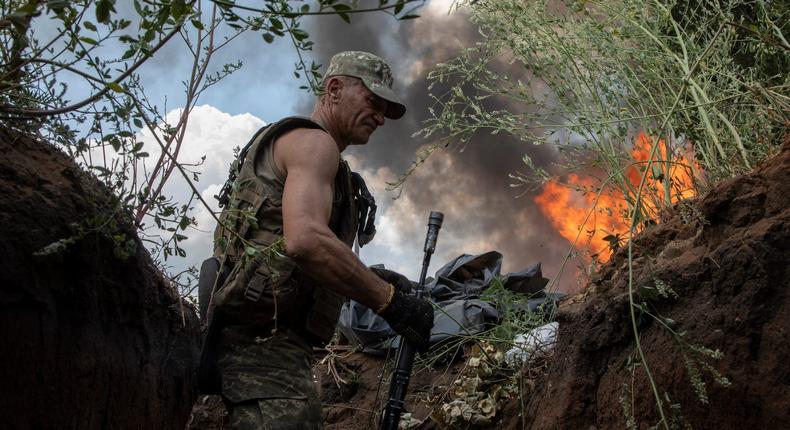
(379, 118)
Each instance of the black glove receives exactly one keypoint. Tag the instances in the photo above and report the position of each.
(400, 282)
(409, 316)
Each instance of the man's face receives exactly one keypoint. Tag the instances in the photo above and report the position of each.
(359, 111)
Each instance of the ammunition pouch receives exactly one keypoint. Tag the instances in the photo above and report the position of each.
(258, 290)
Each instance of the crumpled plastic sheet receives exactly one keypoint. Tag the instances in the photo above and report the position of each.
(456, 291)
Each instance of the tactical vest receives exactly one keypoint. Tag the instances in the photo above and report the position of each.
(266, 289)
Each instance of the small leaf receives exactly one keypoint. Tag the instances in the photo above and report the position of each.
(197, 24)
(57, 6)
(115, 87)
(268, 37)
(88, 40)
(137, 123)
(22, 12)
(89, 25)
(299, 34)
(177, 9)
(103, 10)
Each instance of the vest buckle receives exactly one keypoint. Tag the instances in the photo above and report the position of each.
(253, 294)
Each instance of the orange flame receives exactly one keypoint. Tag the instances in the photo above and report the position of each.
(596, 222)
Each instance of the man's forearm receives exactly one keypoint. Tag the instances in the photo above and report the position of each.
(325, 258)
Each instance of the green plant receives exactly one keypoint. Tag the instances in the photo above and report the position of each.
(594, 74)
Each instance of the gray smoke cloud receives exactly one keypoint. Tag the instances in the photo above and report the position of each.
(482, 211)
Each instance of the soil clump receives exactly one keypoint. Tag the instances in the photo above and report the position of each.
(91, 334)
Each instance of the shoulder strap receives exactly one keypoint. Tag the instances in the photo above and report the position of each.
(266, 132)
(366, 210)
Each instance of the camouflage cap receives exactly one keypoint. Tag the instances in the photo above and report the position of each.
(373, 72)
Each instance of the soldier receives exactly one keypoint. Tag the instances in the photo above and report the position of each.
(275, 306)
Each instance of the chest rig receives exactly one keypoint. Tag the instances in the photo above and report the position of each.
(266, 288)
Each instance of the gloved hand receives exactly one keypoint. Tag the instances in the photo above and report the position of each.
(397, 280)
(409, 316)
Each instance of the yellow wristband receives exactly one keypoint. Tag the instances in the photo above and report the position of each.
(386, 304)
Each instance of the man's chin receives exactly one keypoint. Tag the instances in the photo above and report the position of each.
(360, 140)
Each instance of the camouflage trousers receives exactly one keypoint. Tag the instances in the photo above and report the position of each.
(267, 382)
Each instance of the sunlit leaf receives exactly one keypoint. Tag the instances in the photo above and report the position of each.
(115, 87)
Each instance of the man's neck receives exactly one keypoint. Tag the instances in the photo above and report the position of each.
(322, 117)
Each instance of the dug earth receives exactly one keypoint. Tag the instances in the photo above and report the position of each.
(715, 271)
(91, 335)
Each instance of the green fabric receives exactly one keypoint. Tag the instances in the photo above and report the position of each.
(273, 414)
(267, 380)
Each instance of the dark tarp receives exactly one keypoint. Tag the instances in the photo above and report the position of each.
(456, 291)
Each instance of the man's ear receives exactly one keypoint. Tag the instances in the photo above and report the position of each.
(333, 87)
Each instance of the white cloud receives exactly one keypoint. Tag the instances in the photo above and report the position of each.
(213, 134)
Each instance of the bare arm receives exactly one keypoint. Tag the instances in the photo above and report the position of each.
(310, 160)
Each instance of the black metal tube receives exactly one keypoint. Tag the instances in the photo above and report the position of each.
(405, 357)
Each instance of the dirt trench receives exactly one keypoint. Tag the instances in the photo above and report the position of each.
(726, 258)
(91, 336)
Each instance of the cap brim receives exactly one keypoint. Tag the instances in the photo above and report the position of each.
(395, 107)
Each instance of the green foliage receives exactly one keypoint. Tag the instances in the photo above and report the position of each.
(105, 223)
(626, 399)
(589, 76)
(515, 321)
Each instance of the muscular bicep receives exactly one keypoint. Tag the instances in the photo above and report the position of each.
(309, 159)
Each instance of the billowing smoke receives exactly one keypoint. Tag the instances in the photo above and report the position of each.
(472, 187)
